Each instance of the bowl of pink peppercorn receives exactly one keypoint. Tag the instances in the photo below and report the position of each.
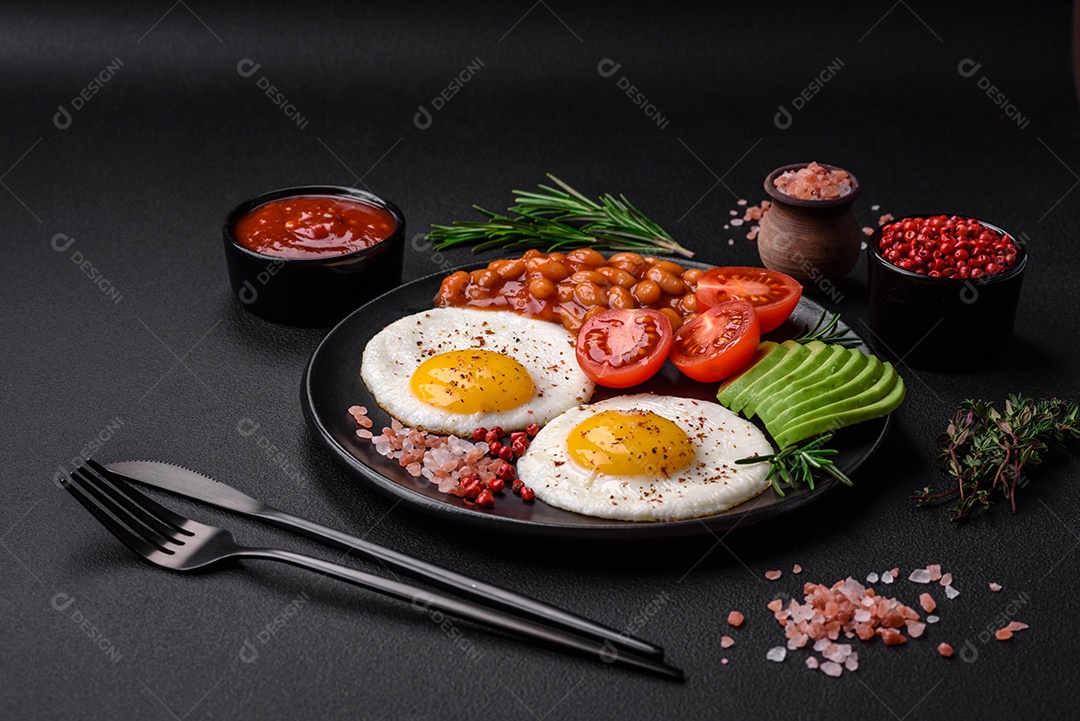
(944, 290)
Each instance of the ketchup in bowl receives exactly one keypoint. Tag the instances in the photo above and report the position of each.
(305, 227)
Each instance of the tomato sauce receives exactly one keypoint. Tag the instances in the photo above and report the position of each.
(313, 226)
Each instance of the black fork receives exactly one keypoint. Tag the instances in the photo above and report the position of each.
(171, 541)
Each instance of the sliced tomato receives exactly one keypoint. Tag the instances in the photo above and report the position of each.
(622, 347)
(774, 295)
(718, 343)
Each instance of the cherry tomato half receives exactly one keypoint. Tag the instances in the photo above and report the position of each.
(718, 343)
(622, 347)
(773, 295)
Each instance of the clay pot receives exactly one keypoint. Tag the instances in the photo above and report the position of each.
(810, 239)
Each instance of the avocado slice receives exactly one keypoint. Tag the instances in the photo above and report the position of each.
(820, 367)
(768, 354)
(845, 367)
(776, 380)
(879, 399)
(868, 371)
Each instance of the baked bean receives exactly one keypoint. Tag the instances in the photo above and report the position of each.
(456, 283)
(511, 269)
(592, 312)
(619, 297)
(588, 256)
(541, 288)
(672, 301)
(588, 276)
(651, 260)
(689, 303)
(617, 276)
(557, 257)
(646, 292)
(485, 278)
(673, 268)
(675, 318)
(668, 283)
(630, 262)
(476, 292)
(691, 275)
(531, 253)
(589, 294)
(566, 292)
(554, 271)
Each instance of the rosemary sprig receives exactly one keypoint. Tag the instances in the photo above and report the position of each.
(986, 451)
(561, 218)
(800, 464)
(826, 331)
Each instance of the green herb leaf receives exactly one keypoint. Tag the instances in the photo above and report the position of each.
(797, 464)
(986, 451)
(561, 218)
(826, 330)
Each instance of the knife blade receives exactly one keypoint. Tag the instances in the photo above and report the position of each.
(193, 485)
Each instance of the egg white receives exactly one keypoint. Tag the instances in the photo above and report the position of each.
(544, 349)
(710, 484)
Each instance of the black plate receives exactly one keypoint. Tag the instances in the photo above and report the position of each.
(332, 384)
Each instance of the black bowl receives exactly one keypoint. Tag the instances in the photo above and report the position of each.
(315, 291)
(945, 324)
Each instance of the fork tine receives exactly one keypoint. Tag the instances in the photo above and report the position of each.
(89, 485)
(135, 543)
(150, 514)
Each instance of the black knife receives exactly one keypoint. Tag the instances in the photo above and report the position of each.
(190, 484)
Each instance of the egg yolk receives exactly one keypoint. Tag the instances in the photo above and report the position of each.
(630, 443)
(472, 381)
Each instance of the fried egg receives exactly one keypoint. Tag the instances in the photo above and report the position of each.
(646, 458)
(452, 370)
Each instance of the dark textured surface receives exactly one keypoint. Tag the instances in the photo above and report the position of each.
(149, 166)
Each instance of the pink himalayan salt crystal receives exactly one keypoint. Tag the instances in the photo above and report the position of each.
(867, 231)
(951, 592)
(726, 642)
(995, 587)
(814, 182)
(773, 575)
(915, 629)
(811, 662)
(946, 579)
(798, 641)
(851, 663)
(945, 650)
(1003, 634)
(1017, 626)
(796, 569)
(935, 571)
(887, 577)
(831, 668)
(919, 575)
(886, 218)
(740, 201)
(735, 618)
(927, 602)
(757, 212)
(932, 619)
(724, 661)
(734, 212)
(442, 460)
(777, 654)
